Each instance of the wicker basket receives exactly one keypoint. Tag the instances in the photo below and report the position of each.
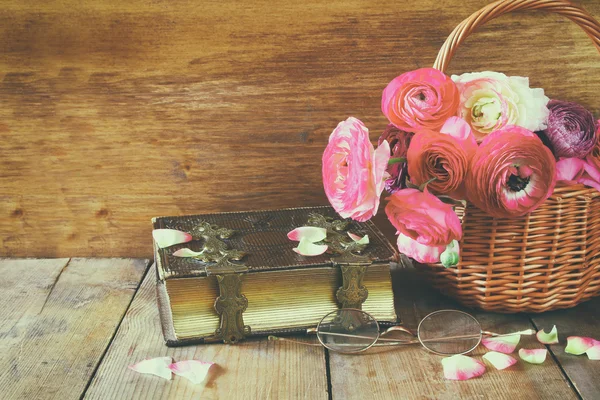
(546, 260)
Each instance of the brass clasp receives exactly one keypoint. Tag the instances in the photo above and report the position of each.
(231, 303)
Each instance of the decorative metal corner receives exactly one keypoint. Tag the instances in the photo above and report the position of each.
(214, 250)
(340, 244)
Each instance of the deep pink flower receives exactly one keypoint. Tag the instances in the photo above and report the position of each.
(425, 224)
(399, 142)
(511, 173)
(420, 99)
(571, 129)
(442, 156)
(353, 172)
(594, 156)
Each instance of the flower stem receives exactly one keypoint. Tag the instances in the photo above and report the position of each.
(396, 160)
(424, 185)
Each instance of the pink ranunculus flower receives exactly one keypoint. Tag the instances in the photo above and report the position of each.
(442, 158)
(425, 224)
(512, 173)
(421, 99)
(353, 171)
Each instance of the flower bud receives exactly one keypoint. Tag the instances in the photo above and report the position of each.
(450, 256)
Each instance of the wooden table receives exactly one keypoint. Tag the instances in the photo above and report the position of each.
(70, 327)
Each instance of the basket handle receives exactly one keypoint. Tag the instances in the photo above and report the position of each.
(501, 7)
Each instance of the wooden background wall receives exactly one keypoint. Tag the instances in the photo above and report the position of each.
(117, 111)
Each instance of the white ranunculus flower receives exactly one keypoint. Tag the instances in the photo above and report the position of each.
(491, 100)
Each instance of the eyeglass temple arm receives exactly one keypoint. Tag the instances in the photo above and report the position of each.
(280, 339)
(527, 332)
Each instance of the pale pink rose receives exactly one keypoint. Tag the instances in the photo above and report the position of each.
(425, 224)
(421, 99)
(353, 171)
(489, 101)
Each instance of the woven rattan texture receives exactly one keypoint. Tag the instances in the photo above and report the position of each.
(546, 260)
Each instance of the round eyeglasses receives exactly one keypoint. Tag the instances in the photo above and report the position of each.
(444, 332)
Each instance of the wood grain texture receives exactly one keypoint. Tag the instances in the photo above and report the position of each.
(583, 320)
(411, 372)
(114, 112)
(58, 318)
(255, 369)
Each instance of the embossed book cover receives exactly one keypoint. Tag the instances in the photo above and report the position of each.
(237, 274)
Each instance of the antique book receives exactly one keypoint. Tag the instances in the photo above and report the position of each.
(246, 280)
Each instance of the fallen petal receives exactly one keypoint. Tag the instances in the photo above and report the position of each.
(312, 233)
(578, 345)
(358, 239)
(158, 366)
(185, 252)
(460, 367)
(169, 237)
(593, 352)
(194, 370)
(533, 356)
(499, 360)
(548, 338)
(306, 248)
(503, 344)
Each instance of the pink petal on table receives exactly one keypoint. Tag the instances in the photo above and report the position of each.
(461, 367)
(307, 248)
(311, 233)
(169, 237)
(193, 370)
(548, 338)
(158, 366)
(578, 345)
(593, 352)
(499, 360)
(504, 344)
(358, 239)
(533, 356)
(185, 252)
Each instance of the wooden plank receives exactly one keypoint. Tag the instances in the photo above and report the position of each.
(412, 372)
(24, 290)
(583, 320)
(256, 369)
(52, 342)
(116, 111)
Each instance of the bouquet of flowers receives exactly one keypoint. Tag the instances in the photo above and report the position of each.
(482, 137)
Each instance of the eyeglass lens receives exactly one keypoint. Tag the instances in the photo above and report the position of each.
(443, 332)
(348, 331)
(449, 332)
